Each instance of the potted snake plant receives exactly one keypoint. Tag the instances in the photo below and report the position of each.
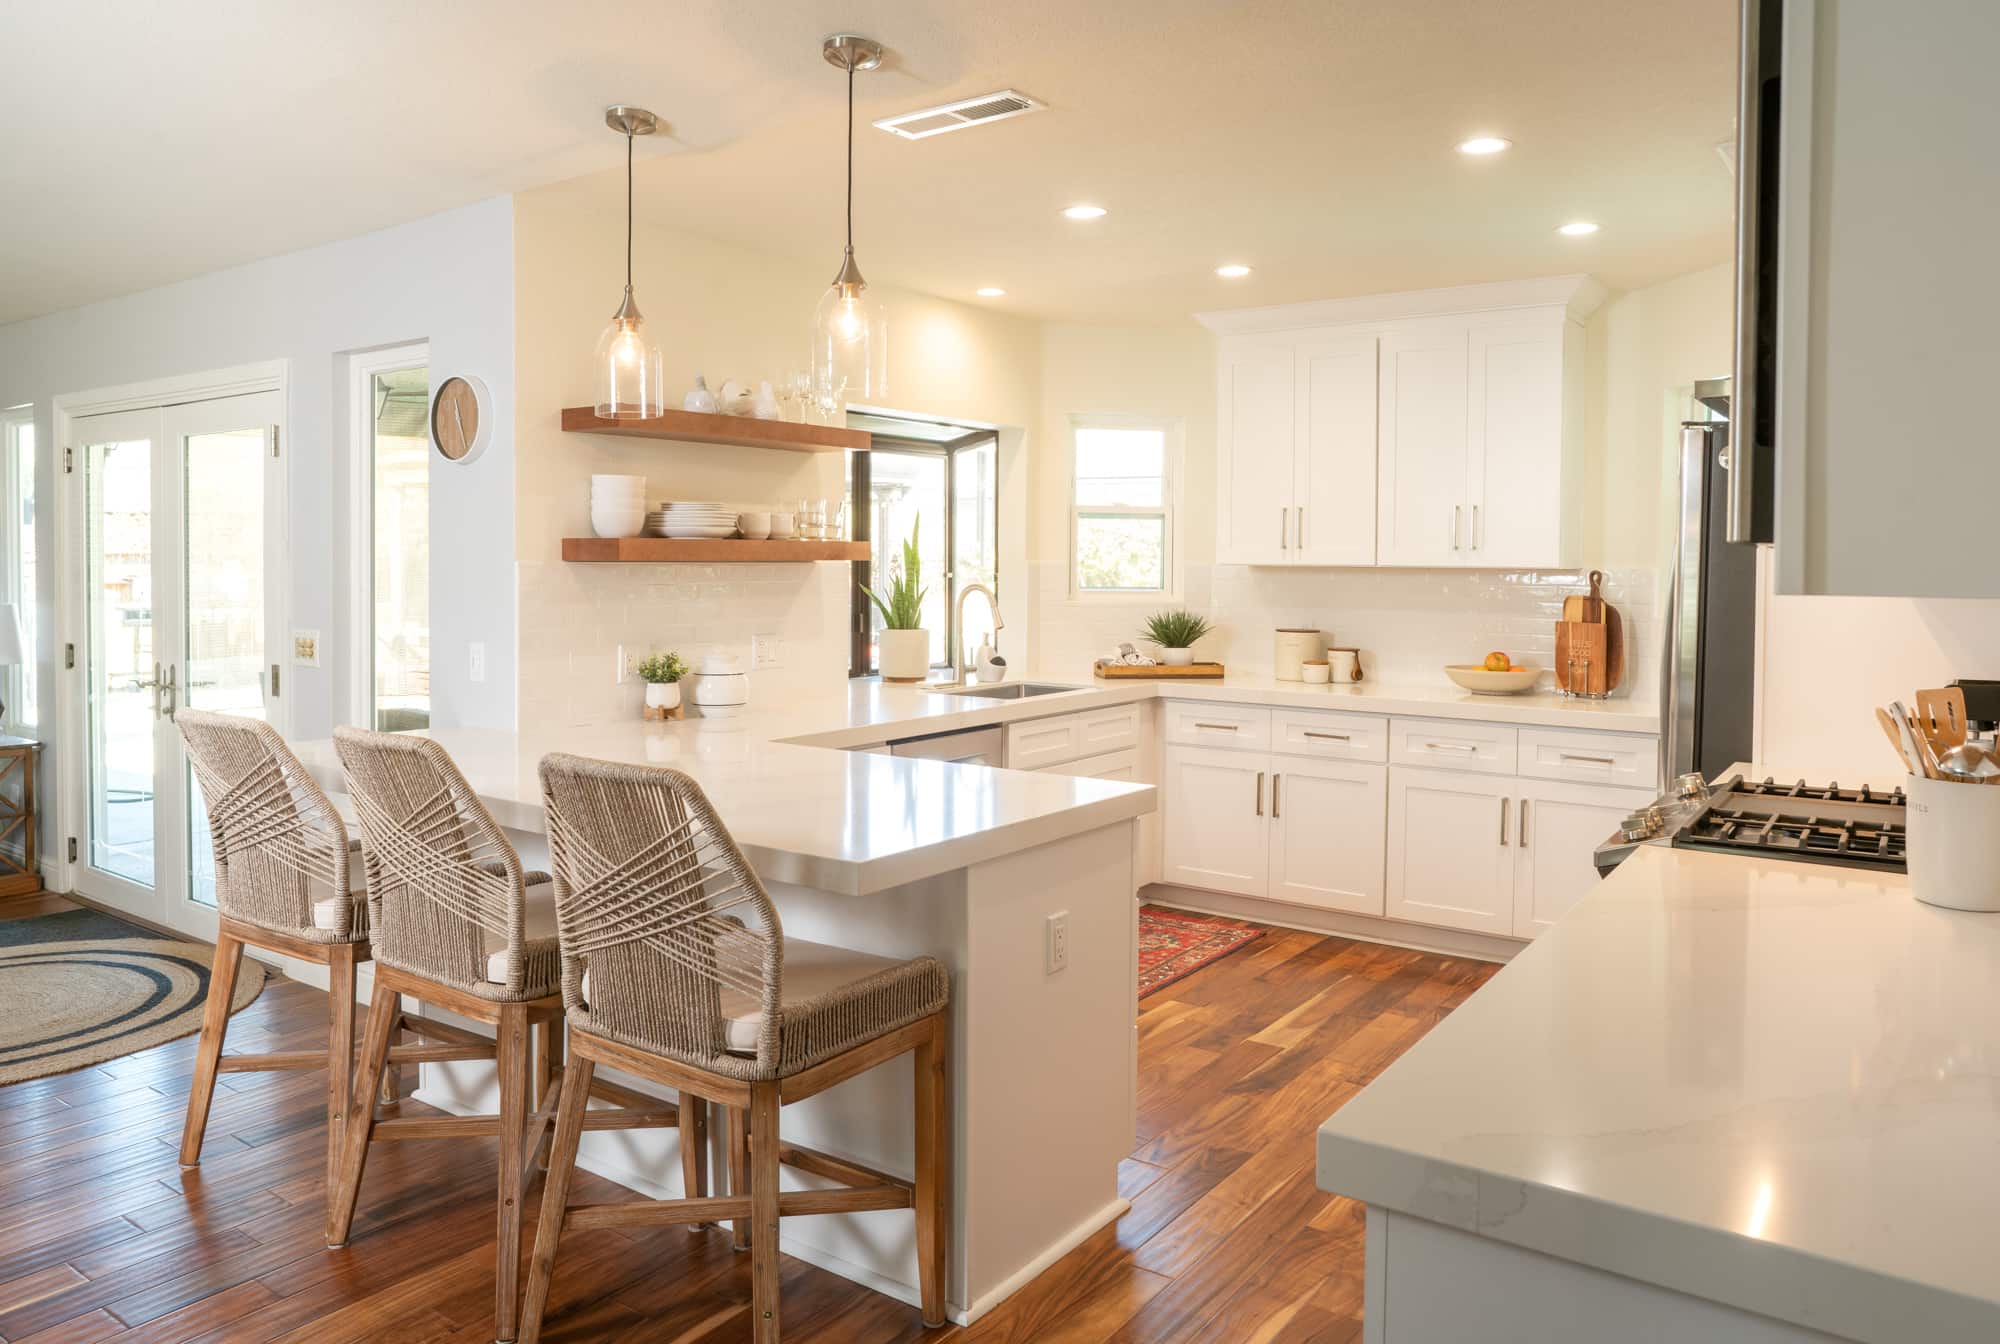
(905, 650)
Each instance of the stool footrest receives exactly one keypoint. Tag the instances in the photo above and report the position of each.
(721, 1208)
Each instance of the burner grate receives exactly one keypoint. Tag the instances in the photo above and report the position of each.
(1858, 827)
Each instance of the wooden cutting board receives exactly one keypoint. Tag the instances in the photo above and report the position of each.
(1158, 671)
(1582, 657)
(1587, 608)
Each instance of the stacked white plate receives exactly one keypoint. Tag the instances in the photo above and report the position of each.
(688, 519)
(617, 505)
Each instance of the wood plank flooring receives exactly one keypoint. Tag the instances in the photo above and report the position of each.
(104, 1238)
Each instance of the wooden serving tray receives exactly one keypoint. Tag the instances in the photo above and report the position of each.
(1158, 671)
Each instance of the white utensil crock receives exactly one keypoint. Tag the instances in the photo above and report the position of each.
(1954, 843)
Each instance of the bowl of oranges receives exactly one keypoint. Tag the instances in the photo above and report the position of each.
(1498, 674)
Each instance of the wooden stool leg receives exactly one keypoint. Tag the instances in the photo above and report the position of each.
(360, 1122)
(391, 1091)
(548, 1065)
(555, 1196)
(694, 1149)
(764, 1102)
(933, 1168)
(512, 1040)
(214, 1026)
(739, 1171)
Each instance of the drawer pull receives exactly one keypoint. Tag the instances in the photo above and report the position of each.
(1329, 737)
(1503, 821)
(1450, 746)
(1587, 760)
(1219, 727)
(1260, 793)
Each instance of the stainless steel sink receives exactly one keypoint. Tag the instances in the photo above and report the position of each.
(1013, 690)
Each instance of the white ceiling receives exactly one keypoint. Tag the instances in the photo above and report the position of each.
(1311, 139)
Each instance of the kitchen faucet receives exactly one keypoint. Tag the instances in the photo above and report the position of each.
(962, 662)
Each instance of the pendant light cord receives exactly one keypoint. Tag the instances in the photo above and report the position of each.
(850, 153)
(628, 212)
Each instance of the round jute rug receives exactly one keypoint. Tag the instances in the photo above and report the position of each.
(69, 1005)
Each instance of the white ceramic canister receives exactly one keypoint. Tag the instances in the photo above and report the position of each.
(1292, 649)
(1316, 672)
(1346, 665)
(1954, 843)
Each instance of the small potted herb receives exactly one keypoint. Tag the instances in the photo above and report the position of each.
(1176, 632)
(662, 673)
(905, 652)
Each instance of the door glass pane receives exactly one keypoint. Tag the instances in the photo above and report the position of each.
(974, 536)
(402, 554)
(223, 669)
(23, 702)
(118, 512)
(904, 489)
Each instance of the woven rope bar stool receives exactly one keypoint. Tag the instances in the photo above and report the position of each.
(458, 923)
(286, 880)
(675, 968)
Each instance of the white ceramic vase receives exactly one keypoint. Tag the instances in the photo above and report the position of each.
(905, 655)
(1177, 657)
(663, 694)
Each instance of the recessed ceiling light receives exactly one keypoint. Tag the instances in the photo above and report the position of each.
(1233, 271)
(990, 291)
(1083, 212)
(1577, 228)
(1484, 144)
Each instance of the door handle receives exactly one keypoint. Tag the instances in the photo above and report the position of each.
(1503, 821)
(170, 692)
(1276, 780)
(1302, 527)
(1521, 831)
(1475, 527)
(1284, 515)
(1260, 793)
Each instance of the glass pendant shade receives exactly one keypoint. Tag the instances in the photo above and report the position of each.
(850, 342)
(628, 368)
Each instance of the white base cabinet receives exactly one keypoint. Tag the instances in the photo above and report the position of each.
(1326, 834)
(1217, 834)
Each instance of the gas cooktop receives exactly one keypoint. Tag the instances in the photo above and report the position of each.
(1855, 828)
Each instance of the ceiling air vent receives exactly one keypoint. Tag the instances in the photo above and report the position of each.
(987, 107)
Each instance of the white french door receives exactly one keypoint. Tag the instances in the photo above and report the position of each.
(181, 512)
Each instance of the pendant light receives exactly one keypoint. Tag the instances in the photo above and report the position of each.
(628, 364)
(850, 340)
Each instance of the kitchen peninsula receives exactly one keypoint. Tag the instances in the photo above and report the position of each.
(902, 857)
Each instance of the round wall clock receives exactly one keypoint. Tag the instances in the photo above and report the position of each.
(461, 418)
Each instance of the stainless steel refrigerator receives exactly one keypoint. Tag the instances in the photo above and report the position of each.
(1707, 686)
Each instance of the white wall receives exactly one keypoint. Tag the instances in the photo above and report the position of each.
(725, 312)
(448, 279)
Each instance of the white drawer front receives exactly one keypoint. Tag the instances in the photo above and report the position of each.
(1590, 758)
(1113, 729)
(1483, 747)
(1195, 724)
(1340, 737)
(1040, 743)
(1122, 766)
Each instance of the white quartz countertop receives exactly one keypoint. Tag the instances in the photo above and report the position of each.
(1766, 1083)
(1545, 709)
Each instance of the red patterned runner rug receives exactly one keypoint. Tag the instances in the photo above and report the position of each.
(1177, 943)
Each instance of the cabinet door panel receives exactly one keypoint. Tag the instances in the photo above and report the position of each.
(1557, 826)
(1218, 828)
(1451, 856)
(1421, 463)
(1256, 421)
(1333, 470)
(1514, 473)
(1327, 834)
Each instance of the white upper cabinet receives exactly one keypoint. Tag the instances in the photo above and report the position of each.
(1423, 511)
(1441, 428)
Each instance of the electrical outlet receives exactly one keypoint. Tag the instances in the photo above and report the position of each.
(478, 669)
(1057, 943)
(305, 648)
(766, 651)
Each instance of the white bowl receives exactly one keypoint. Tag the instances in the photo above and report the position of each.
(617, 522)
(637, 497)
(1481, 682)
(622, 482)
(754, 526)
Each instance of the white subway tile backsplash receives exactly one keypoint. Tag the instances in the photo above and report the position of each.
(1407, 623)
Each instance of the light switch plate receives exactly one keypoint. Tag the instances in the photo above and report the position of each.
(305, 648)
(766, 651)
(477, 672)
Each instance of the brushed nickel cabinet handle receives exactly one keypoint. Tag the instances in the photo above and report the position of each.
(1587, 760)
(1302, 527)
(1503, 820)
(1450, 746)
(1219, 727)
(1521, 831)
(1328, 737)
(1260, 793)
(1475, 527)
(1283, 516)
(1276, 780)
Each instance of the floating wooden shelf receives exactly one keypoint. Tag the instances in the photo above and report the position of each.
(667, 551)
(738, 431)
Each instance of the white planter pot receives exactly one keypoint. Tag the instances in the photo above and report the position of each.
(905, 655)
(1177, 657)
(663, 694)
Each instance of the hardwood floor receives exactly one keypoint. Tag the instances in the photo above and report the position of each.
(103, 1237)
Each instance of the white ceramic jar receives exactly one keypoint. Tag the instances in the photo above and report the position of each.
(720, 688)
(1292, 649)
(904, 655)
